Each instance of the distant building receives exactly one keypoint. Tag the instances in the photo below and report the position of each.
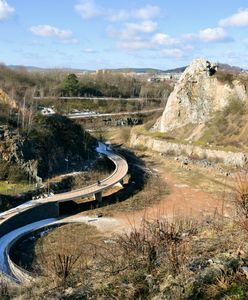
(164, 77)
(103, 71)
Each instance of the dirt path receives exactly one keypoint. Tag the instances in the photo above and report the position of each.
(183, 201)
(194, 192)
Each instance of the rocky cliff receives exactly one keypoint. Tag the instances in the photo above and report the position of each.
(14, 156)
(55, 144)
(198, 94)
(228, 158)
(5, 99)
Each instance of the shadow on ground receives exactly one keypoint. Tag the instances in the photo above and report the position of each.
(137, 179)
(22, 251)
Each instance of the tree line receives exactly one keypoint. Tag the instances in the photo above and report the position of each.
(20, 83)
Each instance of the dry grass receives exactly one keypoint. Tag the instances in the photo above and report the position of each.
(151, 193)
(241, 198)
(64, 251)
(228, 129)
(182, 259)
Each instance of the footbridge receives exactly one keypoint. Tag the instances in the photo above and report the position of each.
(47, 208)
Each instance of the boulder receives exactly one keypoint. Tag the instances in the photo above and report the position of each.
(197, 94)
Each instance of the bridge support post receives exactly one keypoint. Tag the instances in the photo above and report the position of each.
(98, 197)
(56, 208)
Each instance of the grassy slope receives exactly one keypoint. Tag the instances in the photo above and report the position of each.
(203, 263)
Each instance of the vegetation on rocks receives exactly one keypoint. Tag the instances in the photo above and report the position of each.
(52, 145)
(199, 96)
(183, 259)
(58, 142)
(228, 127)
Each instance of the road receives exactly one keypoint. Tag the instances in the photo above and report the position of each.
(96, 115)
(96, 98)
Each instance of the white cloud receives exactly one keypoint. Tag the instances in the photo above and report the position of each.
(217, 34)
(189, 36)
(89, 50)
(88, 9)
(70, 41)
(140, 36)
(239, 19)
(50, 31)
(208, 35)
(175, 53)
(119, 15)
(147, 12)
(143, 27)
(134, 44)
(162, 39)
(5, 10)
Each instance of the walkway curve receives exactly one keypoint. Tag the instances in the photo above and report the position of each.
(121, 169)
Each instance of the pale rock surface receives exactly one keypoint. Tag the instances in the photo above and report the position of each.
(4, 98)
(197, 94)
(230, 159)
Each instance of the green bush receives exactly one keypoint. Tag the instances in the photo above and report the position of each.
(56, 140)
(12, 173)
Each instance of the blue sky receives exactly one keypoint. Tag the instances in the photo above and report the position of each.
(95, 34)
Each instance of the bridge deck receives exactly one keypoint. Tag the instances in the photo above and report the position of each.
(121, 169)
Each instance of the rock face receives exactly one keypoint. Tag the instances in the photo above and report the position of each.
(197, 94)
(14, 151)
(4, 98)
(230, 159)
(54, 145)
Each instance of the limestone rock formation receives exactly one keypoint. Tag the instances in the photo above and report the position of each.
(4, 98)
(197, 94)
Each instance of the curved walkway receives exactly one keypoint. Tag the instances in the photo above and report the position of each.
(7, 267)
(121, 169)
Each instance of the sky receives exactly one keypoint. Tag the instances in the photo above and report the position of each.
(99, 34)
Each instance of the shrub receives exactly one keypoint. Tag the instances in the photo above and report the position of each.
(235, 106)
(64, 139)
(241, 197)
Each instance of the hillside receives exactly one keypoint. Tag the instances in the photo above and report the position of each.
(53, 145)
(221, 66)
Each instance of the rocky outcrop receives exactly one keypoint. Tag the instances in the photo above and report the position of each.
(54, 145)
(230, 159)
(4, 98)
(197, 94)
(14, 151)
